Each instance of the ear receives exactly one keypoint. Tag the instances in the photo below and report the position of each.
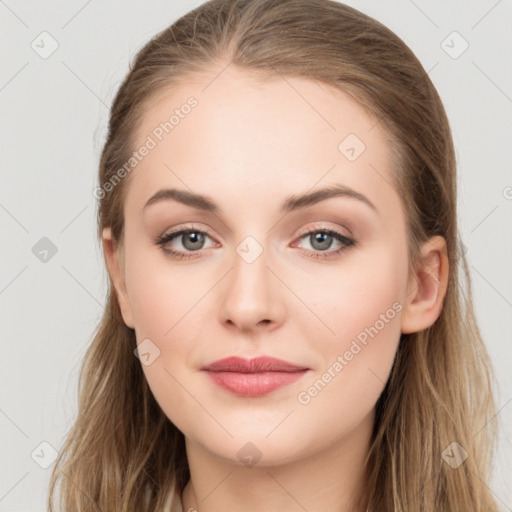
(115, 265)
(426, 287)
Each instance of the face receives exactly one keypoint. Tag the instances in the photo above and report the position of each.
(320, 284)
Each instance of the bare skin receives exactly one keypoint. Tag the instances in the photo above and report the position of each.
(249, 145)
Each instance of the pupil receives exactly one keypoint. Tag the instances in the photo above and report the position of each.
(193, 239)
(321, 239)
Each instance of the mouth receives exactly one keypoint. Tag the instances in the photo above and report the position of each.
(253, 377)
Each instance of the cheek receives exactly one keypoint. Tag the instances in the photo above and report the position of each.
(168, 314)
(161, 292)
(364, 291)
(363, 309)
(170, 308)
(157, 303)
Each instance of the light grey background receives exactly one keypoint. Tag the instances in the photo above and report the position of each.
(54, 117)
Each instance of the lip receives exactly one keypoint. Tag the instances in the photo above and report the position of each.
(253, 377)
(255, 365)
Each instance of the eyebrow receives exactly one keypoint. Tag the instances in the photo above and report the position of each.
(294, 202)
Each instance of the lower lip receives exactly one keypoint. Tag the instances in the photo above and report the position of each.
(254, 384)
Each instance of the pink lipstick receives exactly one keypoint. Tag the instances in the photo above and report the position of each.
(253, 377)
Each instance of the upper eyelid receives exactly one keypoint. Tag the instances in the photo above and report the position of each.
(319, 226)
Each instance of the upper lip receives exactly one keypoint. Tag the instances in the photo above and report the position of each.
(256, 365)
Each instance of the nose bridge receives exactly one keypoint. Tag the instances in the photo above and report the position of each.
(250, 274)
(251, 293)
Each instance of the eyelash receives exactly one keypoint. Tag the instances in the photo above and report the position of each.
(323, 255)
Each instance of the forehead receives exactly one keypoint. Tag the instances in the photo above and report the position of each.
(237, 135)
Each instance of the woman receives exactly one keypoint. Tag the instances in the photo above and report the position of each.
(289, 323)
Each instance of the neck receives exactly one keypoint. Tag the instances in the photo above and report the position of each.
(329, 480)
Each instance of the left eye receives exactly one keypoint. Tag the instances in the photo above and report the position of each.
(322, 240)
(192, 241)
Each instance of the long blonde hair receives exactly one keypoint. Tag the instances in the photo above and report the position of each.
(122, 453)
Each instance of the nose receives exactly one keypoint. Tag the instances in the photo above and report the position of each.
(252, 294)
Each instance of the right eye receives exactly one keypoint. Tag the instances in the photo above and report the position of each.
(192, 240)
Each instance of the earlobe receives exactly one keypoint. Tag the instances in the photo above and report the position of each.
(116, 274)
(427, 287)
